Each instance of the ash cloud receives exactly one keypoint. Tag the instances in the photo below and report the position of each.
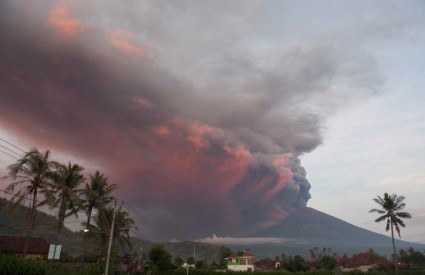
(199, 119)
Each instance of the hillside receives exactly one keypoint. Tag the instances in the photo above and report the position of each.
(14, 225)
(306, 228)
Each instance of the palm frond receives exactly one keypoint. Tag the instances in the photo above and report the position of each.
(381, 218)
(404, 215)
(377, 211)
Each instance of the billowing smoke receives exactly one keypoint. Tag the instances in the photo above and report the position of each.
(198, 113)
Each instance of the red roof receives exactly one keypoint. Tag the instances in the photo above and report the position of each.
(366, 258)
(15, 244)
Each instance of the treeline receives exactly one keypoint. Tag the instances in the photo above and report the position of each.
(412, 257)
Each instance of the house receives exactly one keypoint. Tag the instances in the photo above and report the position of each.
(363, 261)
(245, 262)
(267, 264)
(37, 248)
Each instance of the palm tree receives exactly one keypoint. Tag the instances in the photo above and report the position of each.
(122, 226)
(97, 194)
(35, 170)
(390, 207)
(67, 180)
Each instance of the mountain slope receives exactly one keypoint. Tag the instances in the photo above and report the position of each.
(307, 228)
(310, 224)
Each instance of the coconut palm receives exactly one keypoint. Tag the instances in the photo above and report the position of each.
(390, 207)
(67, 181)
(122, 226)
(34, 171)
(97, 194)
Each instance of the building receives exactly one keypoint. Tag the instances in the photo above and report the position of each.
(246, 262)
(37, 248)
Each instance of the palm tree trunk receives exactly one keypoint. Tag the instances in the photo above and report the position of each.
(31, 220)
(89, 217)
(85, 238)
(61, 218)
(27, 228)
(33, 209)
(394, 250)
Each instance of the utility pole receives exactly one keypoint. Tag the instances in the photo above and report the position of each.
(111, 237)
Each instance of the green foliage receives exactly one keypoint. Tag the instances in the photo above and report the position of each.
(190, 260)
(296, 264)
(12, 265)
(160, 258)
(200, 265)
(327, 262)
(391, 205)
(66, 181)
(97, 194)
(224, 253)
(412, 257)
(178, 261)
(322, 259)
(34, 170)
(122, 226)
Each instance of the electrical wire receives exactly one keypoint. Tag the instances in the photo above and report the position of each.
(10, 150)
(13, 145)
(8, 154)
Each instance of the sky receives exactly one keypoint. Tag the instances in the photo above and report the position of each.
(219, 118)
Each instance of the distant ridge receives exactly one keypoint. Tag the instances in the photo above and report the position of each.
(306, 228)
(310, 224)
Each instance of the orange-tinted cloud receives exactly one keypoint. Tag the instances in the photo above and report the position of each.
(238, 152)
(124, 41)
(162, 131)
(67, 26)
(196, 135)
(284, 176)
(282, 160)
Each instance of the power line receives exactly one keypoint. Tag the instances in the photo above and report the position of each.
(141, 218)
(10, 150)
(137, 234)
(13, 145)
(148, 222)
(16, 195)
(8, 154)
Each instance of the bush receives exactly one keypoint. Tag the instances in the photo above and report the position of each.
(296, 264)
(13, 265)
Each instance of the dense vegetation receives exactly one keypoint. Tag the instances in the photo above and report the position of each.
(13, 266)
